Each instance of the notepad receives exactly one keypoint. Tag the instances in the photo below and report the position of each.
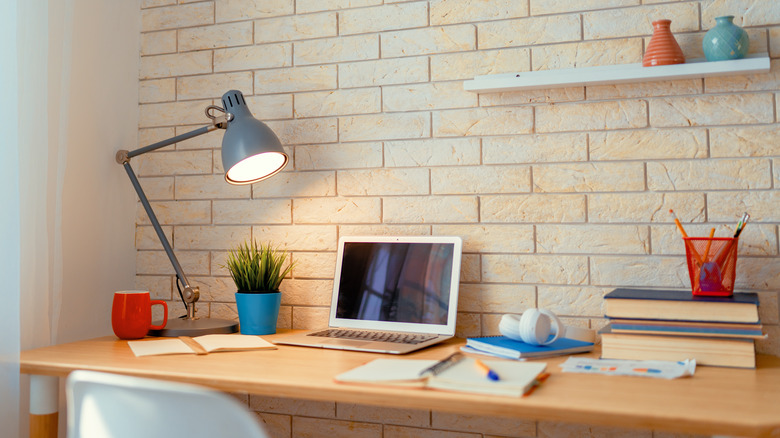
(502, 346)
(199, 345)
(516, 378)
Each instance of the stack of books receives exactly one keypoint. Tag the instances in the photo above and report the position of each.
(675, 325)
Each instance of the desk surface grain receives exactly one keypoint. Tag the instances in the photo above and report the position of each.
(722, 401)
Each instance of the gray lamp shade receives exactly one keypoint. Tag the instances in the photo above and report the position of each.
(251, 152)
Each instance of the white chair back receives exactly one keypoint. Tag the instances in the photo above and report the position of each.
(102, 405)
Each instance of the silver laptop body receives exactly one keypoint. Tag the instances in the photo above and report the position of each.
(390, 295)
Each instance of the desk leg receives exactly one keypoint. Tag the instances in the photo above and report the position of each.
(44, 402)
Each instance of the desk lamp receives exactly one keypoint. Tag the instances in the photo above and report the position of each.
(251, 152)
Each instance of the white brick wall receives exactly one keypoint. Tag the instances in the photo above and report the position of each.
(560, 195)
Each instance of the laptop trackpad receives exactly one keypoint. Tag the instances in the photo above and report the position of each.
(345, 342)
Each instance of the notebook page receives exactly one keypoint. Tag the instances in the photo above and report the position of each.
(159, 346)
(388, 371)
(227, 342)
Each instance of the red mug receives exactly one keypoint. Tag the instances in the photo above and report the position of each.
(131, 314)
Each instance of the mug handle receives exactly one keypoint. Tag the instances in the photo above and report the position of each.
(165, 318)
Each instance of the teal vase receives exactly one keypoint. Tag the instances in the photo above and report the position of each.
(725, 41)
(258, 312)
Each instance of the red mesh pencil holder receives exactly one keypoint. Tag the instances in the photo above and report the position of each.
(712, 265)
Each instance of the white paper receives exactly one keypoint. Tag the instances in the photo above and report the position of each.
(232, 342)
(643, 368)
(210, 343)
(159, 346)
(387, 371)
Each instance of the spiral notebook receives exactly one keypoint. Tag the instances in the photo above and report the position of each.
(515, 378)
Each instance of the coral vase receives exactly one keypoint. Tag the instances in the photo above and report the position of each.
(663, 48)
(725, 41)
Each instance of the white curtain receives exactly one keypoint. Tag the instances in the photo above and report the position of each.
(42, 148)
(69, 82)
(9, 223)
(42, 47)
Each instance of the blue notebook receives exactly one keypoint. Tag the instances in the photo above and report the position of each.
(504, 347)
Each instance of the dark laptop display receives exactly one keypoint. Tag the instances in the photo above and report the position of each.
(398, 282)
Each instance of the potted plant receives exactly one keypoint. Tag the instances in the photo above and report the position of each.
(258, 272)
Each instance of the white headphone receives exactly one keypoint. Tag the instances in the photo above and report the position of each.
(536, 325)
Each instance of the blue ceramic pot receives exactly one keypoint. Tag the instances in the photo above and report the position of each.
(725, 41)
(258, 312)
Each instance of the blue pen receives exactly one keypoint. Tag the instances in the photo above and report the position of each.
(492, 375)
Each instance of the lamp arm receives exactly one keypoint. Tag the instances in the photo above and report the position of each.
(190, 294)
(161, 144)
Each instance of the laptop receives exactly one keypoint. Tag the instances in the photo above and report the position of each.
(390, 295)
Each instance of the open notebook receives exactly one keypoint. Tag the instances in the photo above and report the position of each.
(390, 295)
(514, 378)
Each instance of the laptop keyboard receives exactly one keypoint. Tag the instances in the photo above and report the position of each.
(368, 335)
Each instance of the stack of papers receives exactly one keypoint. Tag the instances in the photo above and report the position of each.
(501, 346)
(643, 368)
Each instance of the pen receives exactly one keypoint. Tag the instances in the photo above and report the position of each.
(725, 252)
(723, 255)
(492, 375)
(741, 225)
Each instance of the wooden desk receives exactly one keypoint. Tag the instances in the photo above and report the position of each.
(715, 401)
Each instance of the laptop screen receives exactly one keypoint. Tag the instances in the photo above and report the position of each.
(405, 282)
(400, 282)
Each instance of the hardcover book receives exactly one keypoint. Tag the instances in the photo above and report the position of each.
(681, 305)
(688, 328)
(727, 352)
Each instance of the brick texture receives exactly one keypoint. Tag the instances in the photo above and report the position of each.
(560, 195)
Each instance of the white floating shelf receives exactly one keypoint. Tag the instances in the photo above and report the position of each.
(615, 74)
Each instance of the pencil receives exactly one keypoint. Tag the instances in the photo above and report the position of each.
(538, 381)
(707, 249)
(679, 225)
(695, 254)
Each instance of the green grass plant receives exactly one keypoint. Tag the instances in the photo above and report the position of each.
(257, 269)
